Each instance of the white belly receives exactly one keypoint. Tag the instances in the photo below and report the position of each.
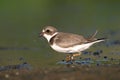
(74, 49)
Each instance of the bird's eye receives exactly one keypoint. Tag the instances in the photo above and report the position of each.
(48, 31)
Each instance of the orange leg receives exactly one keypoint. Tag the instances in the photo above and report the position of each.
(70, 57)
(76, 54)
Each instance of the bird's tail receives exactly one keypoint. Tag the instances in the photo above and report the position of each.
(95, 41)
(99, 40)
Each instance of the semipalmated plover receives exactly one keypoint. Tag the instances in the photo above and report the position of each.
(68, 42)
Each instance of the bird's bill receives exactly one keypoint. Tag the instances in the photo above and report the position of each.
(41, 34)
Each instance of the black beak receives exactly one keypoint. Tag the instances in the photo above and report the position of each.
(41, 34)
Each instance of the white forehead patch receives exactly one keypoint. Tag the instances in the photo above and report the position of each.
(43, 30)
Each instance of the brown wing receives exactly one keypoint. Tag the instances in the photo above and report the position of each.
(68, 39)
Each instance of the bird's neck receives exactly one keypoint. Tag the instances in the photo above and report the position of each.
(48, 37)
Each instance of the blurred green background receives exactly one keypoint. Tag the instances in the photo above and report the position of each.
(22, 20)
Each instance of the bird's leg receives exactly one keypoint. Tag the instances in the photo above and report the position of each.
(76, 54)
(70, 57)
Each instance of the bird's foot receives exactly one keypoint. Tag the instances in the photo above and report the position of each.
(69, 58)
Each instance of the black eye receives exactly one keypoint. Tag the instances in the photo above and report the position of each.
(48, 31)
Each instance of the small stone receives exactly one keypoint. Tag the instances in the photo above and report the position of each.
(17, 73)
(7, 76)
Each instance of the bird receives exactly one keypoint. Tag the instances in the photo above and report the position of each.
(69, 43)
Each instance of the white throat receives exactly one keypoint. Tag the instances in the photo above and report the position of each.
(48, 37)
